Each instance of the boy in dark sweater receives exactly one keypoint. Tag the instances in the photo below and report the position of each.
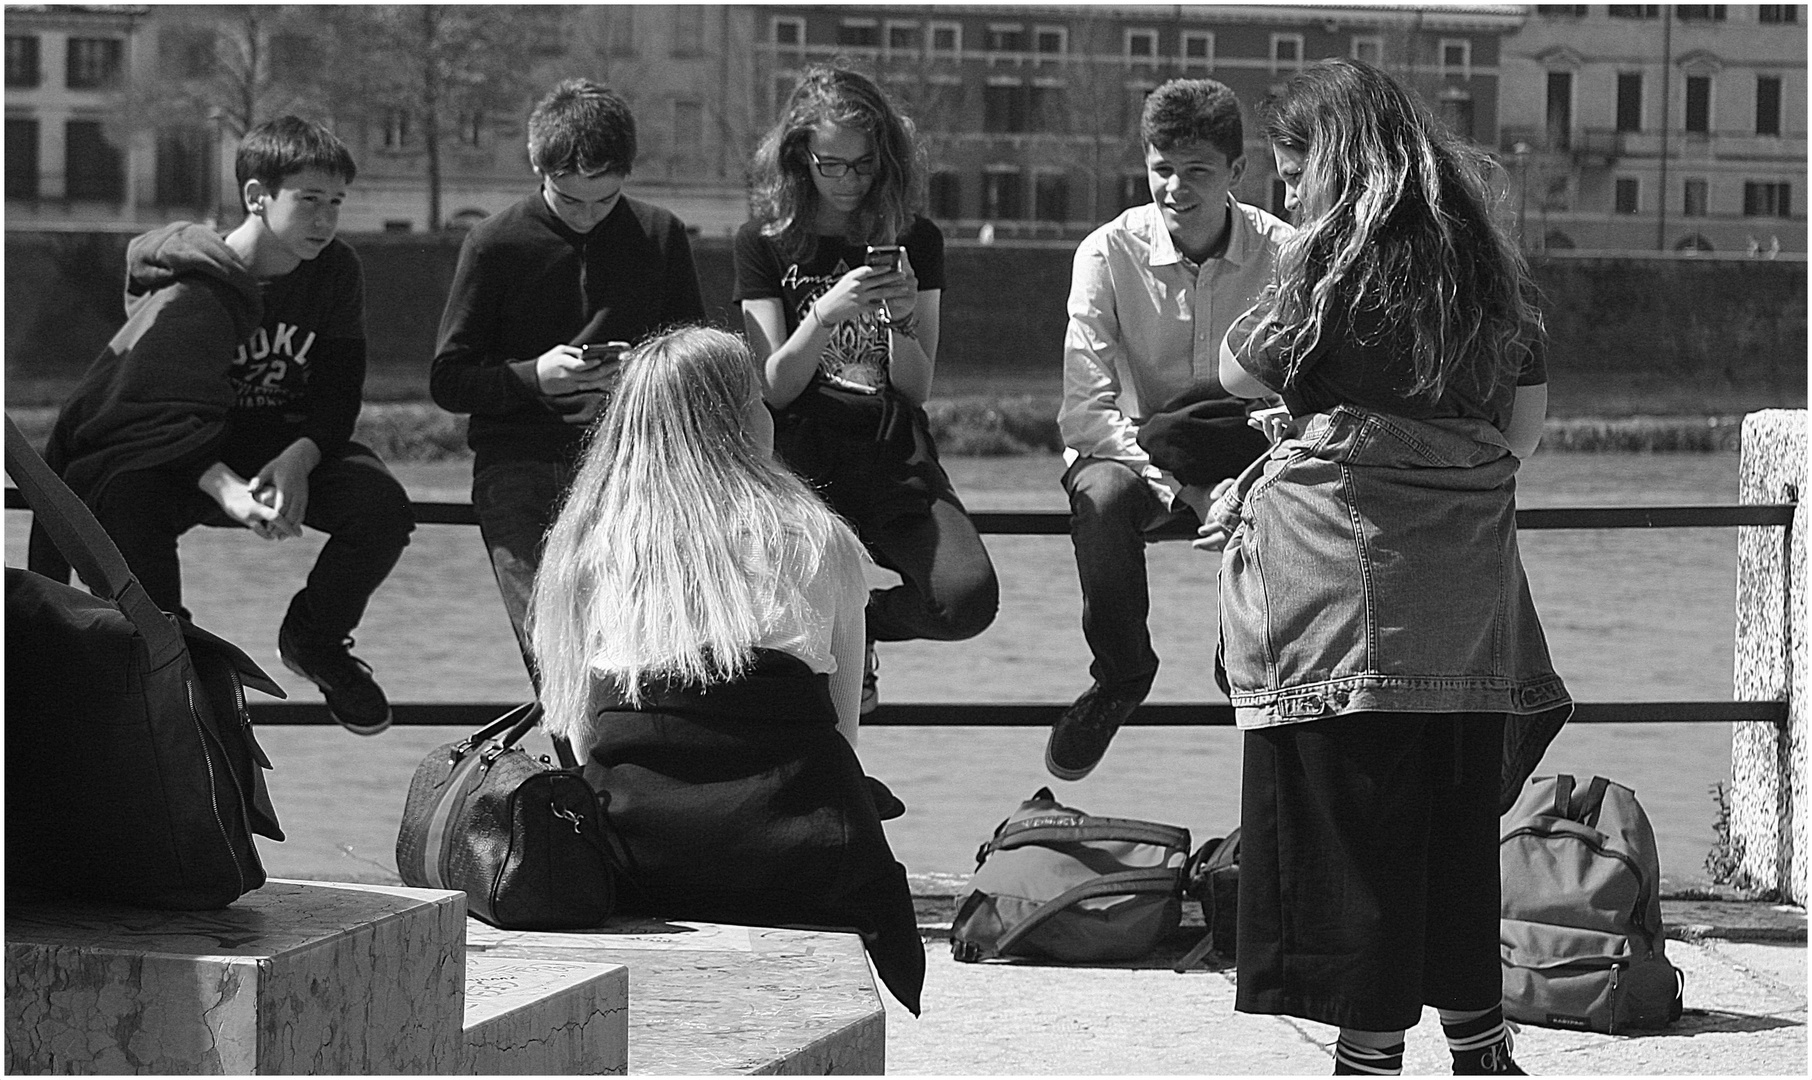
(228, 399)
(576, 263)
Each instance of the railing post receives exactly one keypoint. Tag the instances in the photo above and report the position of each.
(1768, 761)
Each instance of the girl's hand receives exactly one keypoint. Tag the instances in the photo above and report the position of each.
(1222, 518)
(900, 289)
(853, 297)
(1275, 424)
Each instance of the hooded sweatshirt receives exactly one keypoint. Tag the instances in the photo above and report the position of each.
(158, 396)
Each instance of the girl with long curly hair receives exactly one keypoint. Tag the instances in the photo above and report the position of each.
(1378, 640)
(849, 346)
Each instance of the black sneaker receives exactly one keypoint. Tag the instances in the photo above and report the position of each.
(1082, 733)
(353, 696)
(887, 805)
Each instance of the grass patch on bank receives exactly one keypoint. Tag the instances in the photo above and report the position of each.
(998, 427)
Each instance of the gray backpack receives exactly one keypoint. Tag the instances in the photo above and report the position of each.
(1581, 934)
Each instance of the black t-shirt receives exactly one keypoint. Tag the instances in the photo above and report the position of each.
(1366, 366)
(321, 299)
(855, 358)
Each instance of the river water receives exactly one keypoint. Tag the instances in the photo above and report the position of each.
(1631, 615)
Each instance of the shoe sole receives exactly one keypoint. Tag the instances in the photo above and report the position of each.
(1061, 773)
(356, 729)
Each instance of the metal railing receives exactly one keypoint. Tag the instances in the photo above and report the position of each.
(1150, 714)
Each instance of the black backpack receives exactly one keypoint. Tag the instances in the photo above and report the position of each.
(1211, 878)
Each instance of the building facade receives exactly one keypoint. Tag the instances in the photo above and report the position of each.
(68, 158)
(1618, 127)
(1031, 111)
(1650, 127)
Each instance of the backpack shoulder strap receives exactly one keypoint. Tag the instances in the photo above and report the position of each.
(1587, 806)
(1117, 884)
(1563, 796)
(1046, 830)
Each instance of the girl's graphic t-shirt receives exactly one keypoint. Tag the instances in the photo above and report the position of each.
(855, 358)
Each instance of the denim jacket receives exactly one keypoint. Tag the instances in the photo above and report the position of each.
(1375, 568)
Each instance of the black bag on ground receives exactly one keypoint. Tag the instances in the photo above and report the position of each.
(131, 771)
(1055, 883)
(525, 841)
(1211, 878)
(1582, 941)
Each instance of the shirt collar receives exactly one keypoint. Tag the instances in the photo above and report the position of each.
(1164, 251)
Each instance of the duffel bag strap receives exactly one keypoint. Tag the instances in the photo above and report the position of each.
(1047, 830)
(512, 725)
(81, 540)
(1122, 883)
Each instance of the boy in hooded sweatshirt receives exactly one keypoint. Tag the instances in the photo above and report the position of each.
(228, 399)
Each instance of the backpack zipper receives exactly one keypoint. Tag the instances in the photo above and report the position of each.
(1638, 909)
(188, 686)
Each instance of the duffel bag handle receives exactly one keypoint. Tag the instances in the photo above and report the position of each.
(84, 543)
(1121, 883)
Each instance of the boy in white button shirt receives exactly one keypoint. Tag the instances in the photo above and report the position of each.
(1152, 293)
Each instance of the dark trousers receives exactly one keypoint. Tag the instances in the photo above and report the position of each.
(948, 590)
(1111, 509)
(516, 502)
(1369, 868)
(351, 497)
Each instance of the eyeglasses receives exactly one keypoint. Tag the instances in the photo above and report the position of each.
(837, 169)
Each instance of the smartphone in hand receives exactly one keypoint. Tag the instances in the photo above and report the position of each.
(884, 257)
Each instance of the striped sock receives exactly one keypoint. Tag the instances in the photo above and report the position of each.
(1352, 1059)
(1480, 1044)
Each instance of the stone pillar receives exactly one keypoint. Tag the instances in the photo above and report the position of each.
(1768, 761)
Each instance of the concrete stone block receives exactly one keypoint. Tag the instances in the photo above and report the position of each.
(1768, 762)
(297, 977)
(712, 999)
(528, 1017)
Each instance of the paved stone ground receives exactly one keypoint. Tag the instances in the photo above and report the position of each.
(1746, 1015)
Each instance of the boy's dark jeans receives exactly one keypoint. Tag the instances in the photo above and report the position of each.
(516, 502)
(1111, 509)
(351, 497)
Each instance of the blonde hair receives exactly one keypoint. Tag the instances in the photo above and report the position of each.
(682, 543)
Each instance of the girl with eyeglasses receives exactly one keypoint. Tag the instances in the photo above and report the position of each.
(848, 348)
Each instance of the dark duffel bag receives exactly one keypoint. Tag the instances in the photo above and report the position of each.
(525, 841)
(131, 770)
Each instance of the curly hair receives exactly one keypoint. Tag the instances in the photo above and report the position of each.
(1394, 219)
(784, 199)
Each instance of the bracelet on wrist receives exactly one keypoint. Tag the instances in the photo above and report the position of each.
(906, 327)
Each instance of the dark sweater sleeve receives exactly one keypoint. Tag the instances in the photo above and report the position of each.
(468, 376)
(336, 388)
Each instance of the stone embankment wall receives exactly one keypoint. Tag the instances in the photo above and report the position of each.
(1716, 323)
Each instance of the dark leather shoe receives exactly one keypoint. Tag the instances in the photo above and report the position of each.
(1081, 734)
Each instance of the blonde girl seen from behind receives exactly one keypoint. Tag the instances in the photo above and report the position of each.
(683, 546)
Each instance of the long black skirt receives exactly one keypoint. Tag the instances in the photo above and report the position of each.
(1369, 868)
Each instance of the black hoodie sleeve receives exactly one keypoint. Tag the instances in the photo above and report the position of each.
(684, 300)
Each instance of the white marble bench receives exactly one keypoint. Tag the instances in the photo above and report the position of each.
(297, 977)
(717, 999)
